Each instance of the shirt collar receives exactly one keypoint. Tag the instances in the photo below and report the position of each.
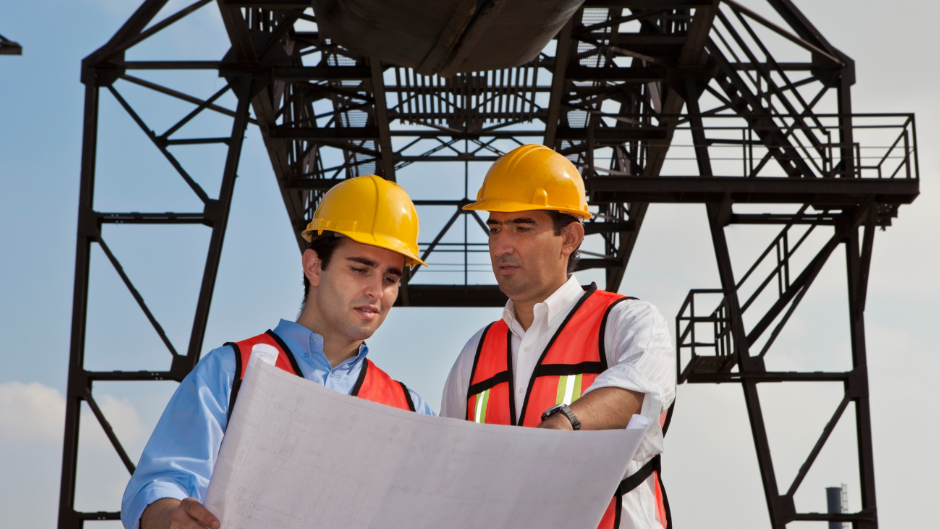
(307, 346)
(556, 306)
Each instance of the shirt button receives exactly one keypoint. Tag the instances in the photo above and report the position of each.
(526, 349)
(521, 391)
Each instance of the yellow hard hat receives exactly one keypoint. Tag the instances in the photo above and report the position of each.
(532, 177)
(370, 210)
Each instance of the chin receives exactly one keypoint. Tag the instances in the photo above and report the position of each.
(509, 287)
(360, 331)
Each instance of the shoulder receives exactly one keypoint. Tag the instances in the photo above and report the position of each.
(474, 341)
(217, 368)
(629, 311)
(460, 372)
(635, 322)
(469, 351)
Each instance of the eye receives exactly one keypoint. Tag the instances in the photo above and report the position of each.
(358, 270)
(494, 231)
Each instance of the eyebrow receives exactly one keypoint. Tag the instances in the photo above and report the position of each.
(522, 220)
(372, 264)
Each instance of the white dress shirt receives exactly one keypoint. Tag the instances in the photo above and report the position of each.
(641, 359)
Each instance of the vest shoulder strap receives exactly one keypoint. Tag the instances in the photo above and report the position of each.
(653, 465)
(490, 369)
(285, 360)
(377, 386)
(577, 347)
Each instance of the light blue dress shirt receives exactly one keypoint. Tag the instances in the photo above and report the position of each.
(178, 460)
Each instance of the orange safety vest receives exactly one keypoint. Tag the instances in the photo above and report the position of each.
(373, 384)
(572, 360)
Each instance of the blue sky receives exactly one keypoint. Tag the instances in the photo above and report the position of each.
(710, 466)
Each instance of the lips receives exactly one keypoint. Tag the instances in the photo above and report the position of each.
(505, 265)
(368, 312)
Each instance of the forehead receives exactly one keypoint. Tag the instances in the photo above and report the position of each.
(385, 258)
(540, 217)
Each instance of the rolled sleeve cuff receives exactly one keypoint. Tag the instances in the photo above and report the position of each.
(627, 376)
(156, 490)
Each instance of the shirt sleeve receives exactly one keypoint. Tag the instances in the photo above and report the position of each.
(178, 459)
(641, 359)
(454, 399)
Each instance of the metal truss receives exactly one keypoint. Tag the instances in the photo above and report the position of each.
(8, 47)
(655, 101)
(784, 134)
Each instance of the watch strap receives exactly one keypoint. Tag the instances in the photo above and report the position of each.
(566, 410)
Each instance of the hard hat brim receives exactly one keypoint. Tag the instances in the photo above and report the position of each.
(379, 241)
(510, 206)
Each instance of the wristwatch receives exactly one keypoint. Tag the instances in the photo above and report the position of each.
(563, 408)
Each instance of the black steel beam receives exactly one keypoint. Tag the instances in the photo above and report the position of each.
(268, 4)
(8, 47)
(611, 136)
(764, 190)
(631, 75)
(77, 382)
(285, 132)
(858, 390)
(650, 4)
(454, 296)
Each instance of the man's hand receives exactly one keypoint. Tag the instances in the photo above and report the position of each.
(174, 514)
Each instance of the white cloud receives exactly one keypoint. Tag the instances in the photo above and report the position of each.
(121, 415)
(35, 413)
(31, 412)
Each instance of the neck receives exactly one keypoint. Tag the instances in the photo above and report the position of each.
(336, 347)
(525, 307)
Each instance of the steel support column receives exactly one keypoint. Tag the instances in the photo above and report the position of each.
(97, 72)
(858, 258)
(78, 383)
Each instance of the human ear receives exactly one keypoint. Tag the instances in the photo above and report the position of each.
(312, 267)
(573, 236)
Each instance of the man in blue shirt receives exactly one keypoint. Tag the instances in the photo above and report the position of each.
(363, 234)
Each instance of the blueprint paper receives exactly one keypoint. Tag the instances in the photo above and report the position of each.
(298, 455)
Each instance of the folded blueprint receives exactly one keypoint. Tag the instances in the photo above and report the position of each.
(298, 455)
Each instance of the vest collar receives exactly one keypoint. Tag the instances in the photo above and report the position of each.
(551, 311)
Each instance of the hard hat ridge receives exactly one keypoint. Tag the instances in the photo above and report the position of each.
(370, 210)
(532, 177)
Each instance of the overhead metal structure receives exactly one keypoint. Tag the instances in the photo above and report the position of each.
(8, 47)
(656, 101)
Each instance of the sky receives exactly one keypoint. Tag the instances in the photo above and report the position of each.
(710, 468)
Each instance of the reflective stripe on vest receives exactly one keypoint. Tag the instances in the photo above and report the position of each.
(373, 384)
(572, 360)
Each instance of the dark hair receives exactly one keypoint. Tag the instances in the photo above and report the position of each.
(324, 244)
(559, 221)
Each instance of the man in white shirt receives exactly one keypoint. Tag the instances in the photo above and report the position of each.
(563, 357)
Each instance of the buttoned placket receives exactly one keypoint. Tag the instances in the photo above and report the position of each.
(343, 368)
(546, 316)
(526, 354)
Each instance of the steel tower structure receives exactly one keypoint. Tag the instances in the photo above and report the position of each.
(8, 47)
(656, 101)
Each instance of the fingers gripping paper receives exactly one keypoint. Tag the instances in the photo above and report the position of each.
(298, 455)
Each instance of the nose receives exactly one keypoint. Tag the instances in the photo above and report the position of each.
(500, 244)
(374, 287)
